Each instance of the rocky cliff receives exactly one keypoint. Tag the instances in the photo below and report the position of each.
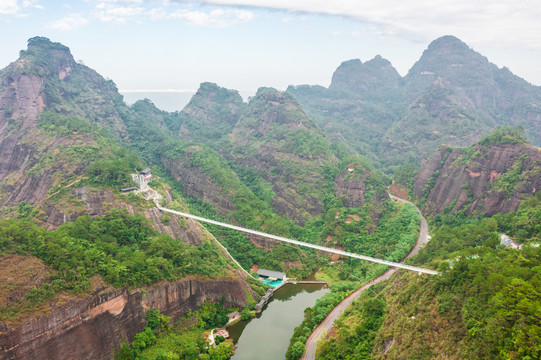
(37, 155)
(21, 102)
(479, 179)
(354, 184)
(358, 186)
(197, 184)
(93, 327)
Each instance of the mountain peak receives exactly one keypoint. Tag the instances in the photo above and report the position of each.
(47, 56)
(377, 74)
(40, 43)
(210, 114)
(450, 51)
(448, 42)
(210, 90)
(449, 58)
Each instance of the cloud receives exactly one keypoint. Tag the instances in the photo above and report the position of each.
(117, 14)
(157, 14)
(14, 7)
(490, 22)
(121, 1)
(188, 91)
(215, 18)
(69, 22)
(9, 7)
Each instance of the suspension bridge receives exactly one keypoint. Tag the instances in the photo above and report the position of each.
(301, 243)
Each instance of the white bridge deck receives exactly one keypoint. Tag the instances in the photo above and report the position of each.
(301, 243)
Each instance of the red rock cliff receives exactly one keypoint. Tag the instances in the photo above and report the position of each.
(485, 180)
(93, 327)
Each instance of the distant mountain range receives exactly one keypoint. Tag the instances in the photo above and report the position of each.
(451, 95)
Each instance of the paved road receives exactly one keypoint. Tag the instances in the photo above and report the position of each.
(321, 331)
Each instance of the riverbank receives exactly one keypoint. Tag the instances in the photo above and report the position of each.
(267, 335)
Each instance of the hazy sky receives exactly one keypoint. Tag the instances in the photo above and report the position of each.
(163, 49)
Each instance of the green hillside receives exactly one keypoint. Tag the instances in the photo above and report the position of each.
(485, 305)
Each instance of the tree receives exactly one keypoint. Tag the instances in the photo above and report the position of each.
(297, 350)
(222, 352)
(246, 314)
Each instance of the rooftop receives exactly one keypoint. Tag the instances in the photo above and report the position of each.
(270, 273)
(129, 188)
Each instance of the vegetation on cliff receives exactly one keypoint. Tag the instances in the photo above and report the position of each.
(186, 339)
(491, 176)
(121, 248)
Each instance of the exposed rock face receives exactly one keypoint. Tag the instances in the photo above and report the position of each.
(93, 327)
(351, 191)
(262, 242)
(46, 76)
(495, 180)
(199, 185)
(99, 202)
(351, 187)
(21, 102)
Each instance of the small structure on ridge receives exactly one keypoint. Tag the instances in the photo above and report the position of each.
(271, 275)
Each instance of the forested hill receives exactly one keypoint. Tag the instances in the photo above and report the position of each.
(451, 95)
(485, 304)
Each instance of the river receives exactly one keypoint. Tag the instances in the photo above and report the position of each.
(267, 336)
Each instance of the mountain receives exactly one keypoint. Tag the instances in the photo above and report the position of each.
(211, 113)
(80, 261)
(376, 79)
(362, 103)
(451, 95)
(455, 94)
(282, 144)
(83, 262)
(52, 109)
(492, 176)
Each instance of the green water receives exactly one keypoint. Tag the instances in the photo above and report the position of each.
(267, 336)
(273, 283)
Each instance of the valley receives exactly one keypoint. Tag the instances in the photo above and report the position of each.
(311, 181)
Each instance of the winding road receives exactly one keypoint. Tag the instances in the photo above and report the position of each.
(323, 328)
